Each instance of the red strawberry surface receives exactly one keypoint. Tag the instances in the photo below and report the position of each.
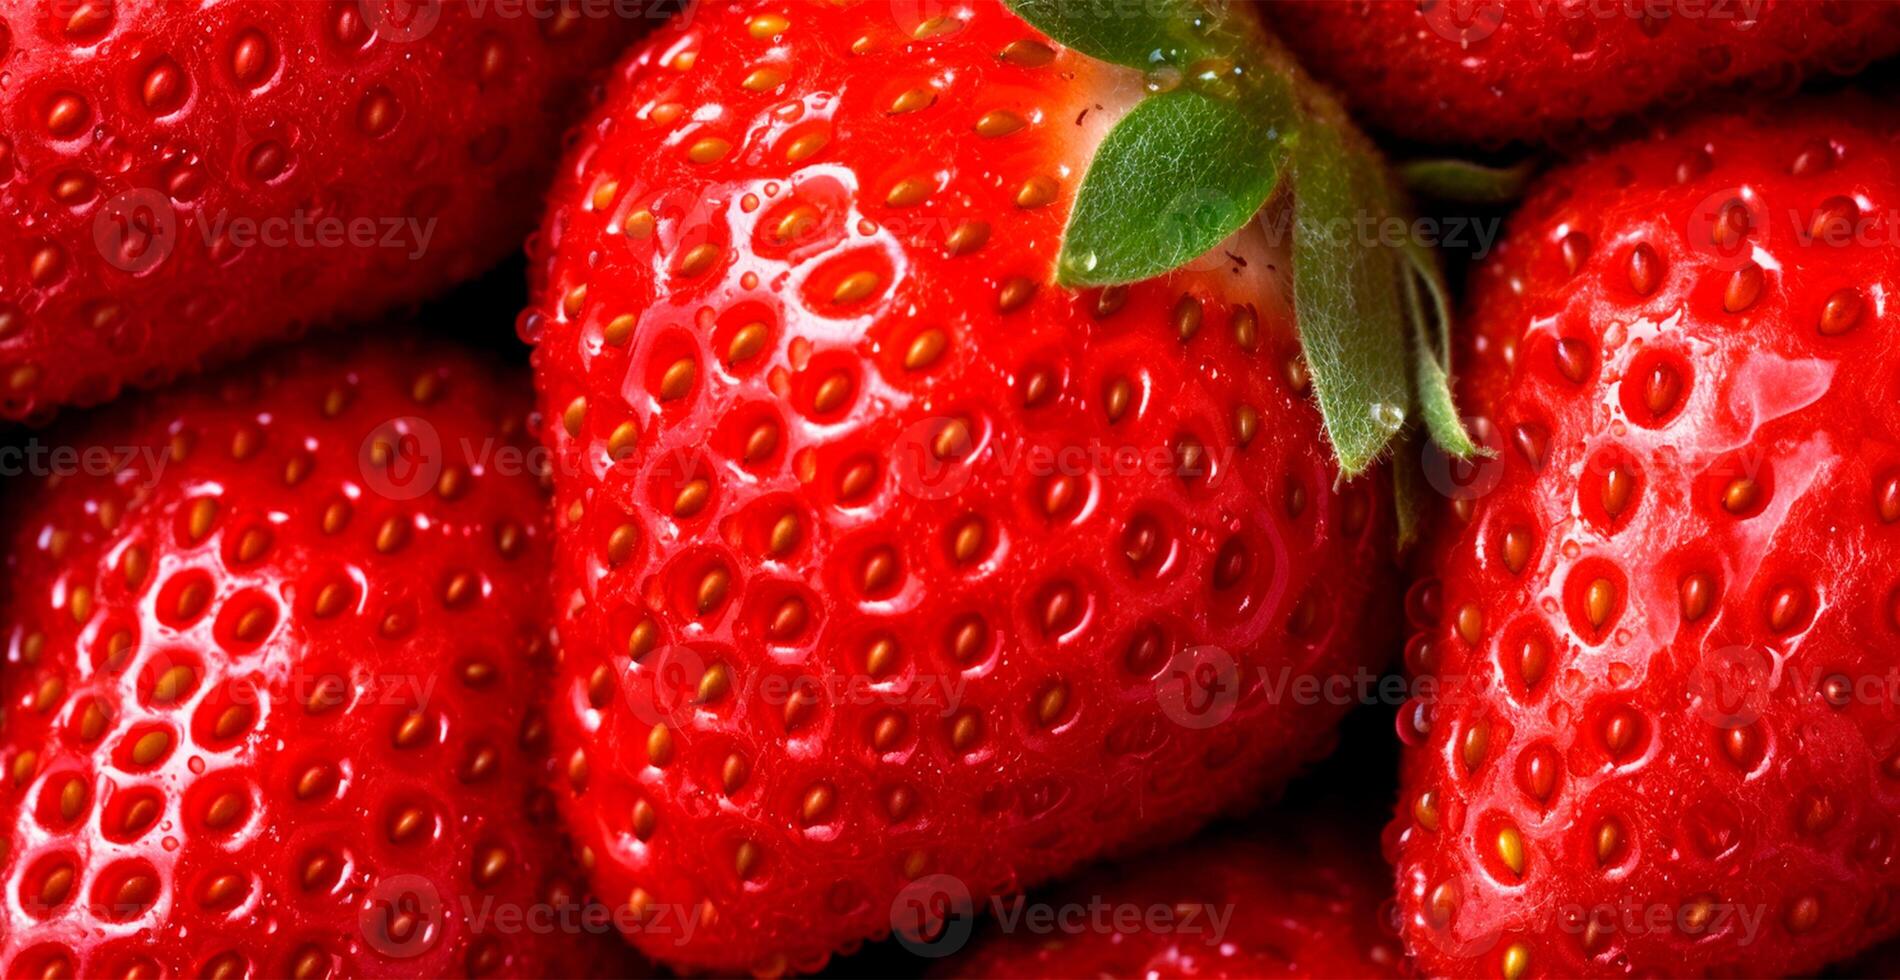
(1289, 896)
(1663, 738)
(1491, 72)
(881, 555)
(180, 181)
(271, 653)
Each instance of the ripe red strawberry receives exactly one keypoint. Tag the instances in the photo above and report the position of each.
(180, 181)
(1293, 896)
(1662, 620)
(1491, 72)
(270, 654)
(881, 552)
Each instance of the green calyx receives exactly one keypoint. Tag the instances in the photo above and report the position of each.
(1466, 182)
(1230, 122)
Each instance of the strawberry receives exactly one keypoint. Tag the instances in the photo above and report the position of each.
(269, 652)
(181, 181)
(1658, 738)
(940, 488)
(1296, 896)
(1493, 72)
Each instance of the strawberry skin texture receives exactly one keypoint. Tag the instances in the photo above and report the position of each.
(1303, 896)
(259, 689)
(1662, 637)
(145, 149)
(852, 587)
(1492, 72)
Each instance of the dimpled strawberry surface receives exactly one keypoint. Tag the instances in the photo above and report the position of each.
(1304, 896)
(1490, 72)
(272, 663)
(179, 182)
(879, 554)
(1663, 616)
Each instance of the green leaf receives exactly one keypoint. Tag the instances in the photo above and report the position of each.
(1175, 177)
(1411, 495)
(1347, 294)
(1141, 35)
(1467, 182)
(1431, 354)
